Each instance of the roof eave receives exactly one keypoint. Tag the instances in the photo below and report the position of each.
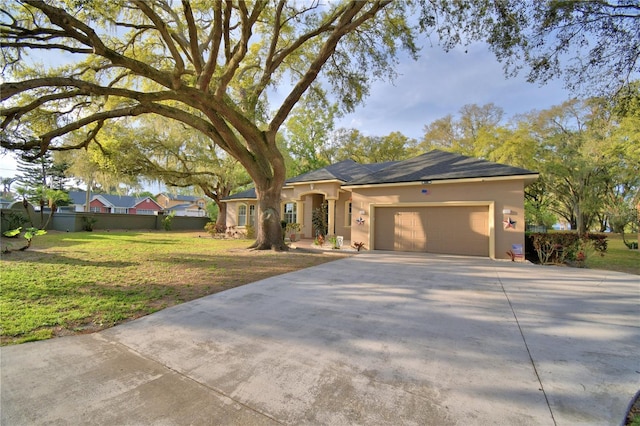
(528, 178)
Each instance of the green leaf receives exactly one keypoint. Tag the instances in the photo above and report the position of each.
(13, 232)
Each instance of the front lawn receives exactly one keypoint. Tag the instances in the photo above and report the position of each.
(70, 283)
(618, 257)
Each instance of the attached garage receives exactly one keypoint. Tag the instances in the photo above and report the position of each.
(450, 229)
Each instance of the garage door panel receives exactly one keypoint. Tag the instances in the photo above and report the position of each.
(451, 229)
(409, 231)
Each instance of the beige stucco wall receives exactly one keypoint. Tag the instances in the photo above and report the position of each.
(501, 195)
(232, 210)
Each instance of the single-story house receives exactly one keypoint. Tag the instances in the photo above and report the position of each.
(187, 209)
(106, 203)
(182, 205)
(438, 202)
(167, 200)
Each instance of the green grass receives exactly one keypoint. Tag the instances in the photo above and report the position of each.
(618, 257)
(70, 283)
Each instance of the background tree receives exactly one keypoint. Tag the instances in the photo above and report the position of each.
(174, 154)
(472, 133)
(307, 133)
(350, 144)
(6, 184)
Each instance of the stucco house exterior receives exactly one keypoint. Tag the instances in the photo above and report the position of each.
(106, 203)
(182, 205)
(438, 202)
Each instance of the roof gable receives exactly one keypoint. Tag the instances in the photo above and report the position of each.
(147, 200)
(439, 165)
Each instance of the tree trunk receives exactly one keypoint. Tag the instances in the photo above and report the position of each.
(217, 194)
(221, 221)
(269, 229)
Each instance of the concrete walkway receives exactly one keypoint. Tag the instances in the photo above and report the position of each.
(374, 339)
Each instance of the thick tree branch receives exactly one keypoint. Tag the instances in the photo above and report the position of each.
(196, 56)
(346, 23)
(161, 27)
(241, 48)
(216, 38)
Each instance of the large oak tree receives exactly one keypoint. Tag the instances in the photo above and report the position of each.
(207, 65)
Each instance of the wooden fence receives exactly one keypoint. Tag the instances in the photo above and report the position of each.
(78, 221)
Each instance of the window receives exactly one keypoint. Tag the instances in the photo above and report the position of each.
(142, 211)
(242, 215)
(252, 215)
(347, 210)
(120, 210)
(95, 210)
(290, 213)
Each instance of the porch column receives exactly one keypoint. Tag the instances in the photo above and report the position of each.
(300, 215)
(332, 217)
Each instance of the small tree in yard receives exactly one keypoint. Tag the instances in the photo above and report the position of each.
(29, 234)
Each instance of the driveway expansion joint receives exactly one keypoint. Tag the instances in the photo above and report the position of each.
(524, 340)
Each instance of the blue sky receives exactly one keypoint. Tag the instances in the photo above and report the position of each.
(439, 83)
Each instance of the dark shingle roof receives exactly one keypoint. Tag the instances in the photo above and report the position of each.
(249, 193)
(344, 170)
(434, 165)
(77, 197)
(439, 165)
(190, 198)
(123, 201)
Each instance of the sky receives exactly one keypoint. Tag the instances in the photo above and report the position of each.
(437, 84)
(441, 83)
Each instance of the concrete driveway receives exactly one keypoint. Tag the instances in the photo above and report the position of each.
(375, 339)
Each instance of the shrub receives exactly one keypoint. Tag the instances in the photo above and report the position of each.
(166, 221)
(250, 231)
(214, 229)
(358, 245)
(13, 220)
(88, 222)
(563, 247)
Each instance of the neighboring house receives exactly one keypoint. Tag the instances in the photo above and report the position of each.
(192, 210)
(105, 203)
(183, 205)
(438, 202)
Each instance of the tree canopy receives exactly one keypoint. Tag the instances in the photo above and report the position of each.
(213, 66)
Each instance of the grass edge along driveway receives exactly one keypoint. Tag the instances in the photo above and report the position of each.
(72, 283)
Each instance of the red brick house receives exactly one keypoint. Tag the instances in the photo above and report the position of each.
(121, 204)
